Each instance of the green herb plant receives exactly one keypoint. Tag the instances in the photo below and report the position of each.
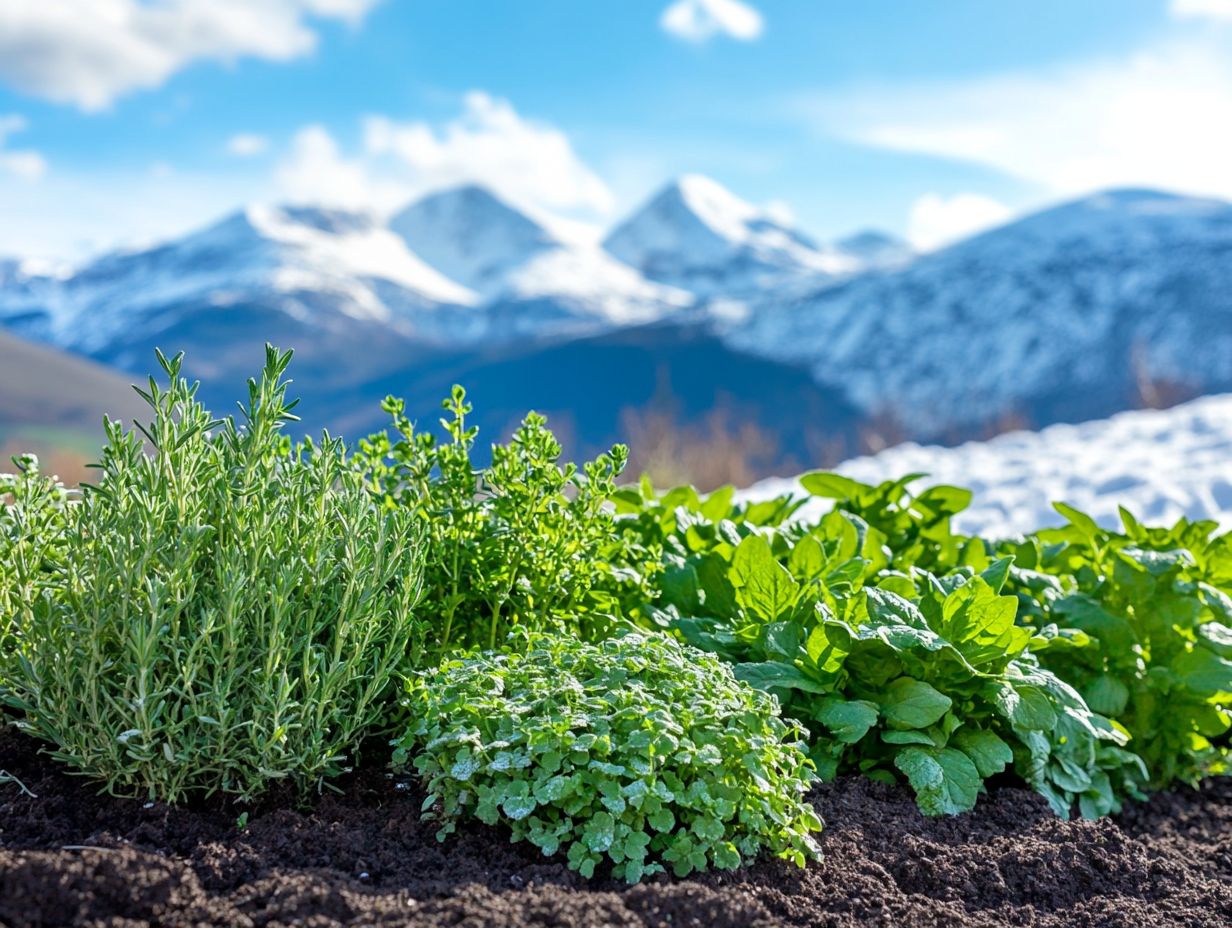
(231, 611)
(638, 751)
(32, 546)
(1140, 621)
(512, 548)
(895, 674)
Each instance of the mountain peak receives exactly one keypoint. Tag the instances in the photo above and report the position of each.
(696, 234)
(471, 235)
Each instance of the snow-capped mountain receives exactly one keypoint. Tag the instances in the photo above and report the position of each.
(26, 290)
(1064, 315)
(536, 279)
(1073, 313)
(696, 235)
(471, 235)
(321, 269)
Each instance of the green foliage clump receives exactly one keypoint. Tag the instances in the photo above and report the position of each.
(32, 518)
(230, 611)
(896, 673)
(1140, 621)
(516, 547)
(637, 750)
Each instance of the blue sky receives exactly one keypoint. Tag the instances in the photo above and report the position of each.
(123, 121)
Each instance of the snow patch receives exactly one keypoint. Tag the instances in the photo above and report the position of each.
(1159, 464)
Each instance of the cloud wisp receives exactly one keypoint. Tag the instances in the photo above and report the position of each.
(1161, 117)
(1218, 10)
(24, 163)
(247, 145)
(87, 53)
(530, 162)
(701, 20)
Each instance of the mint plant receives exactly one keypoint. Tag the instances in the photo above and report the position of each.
(512, 548)
(895, 673)
(637, 751)
(230, 609)
(1140, 621)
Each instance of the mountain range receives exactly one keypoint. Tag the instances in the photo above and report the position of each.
(698, 301)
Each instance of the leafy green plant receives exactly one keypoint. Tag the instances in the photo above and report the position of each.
(515, 547)
(637, 750)
(231, 611)
(1140, 621)
(896, 673)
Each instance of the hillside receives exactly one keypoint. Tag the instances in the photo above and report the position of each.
(41, 386)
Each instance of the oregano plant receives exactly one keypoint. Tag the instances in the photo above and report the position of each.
(514, 547)
(639, 752)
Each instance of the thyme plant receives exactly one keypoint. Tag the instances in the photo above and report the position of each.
(231, 611)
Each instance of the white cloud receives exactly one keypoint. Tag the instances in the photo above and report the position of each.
(702, 20)
(316, 171)
(247, 144)
(531, 163)
(935, 220)
(1202, 9)
(89, 52)
(1162, 117)
(26, 163)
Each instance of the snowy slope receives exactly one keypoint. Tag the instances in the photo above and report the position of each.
(1058, 316)
(322, 268)
(471, 235)
(1159, 464)
(696, 235)
(876, 250)
(26, 289)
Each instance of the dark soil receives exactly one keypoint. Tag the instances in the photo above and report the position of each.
(70, 857)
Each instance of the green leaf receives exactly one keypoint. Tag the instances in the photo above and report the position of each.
(832, 486)
(763, 585)
(771, 675)
(1080, 520)
(662, 820)
(1106, 695)
(599, 832)
(1204, 671)
(945, 780)
(910, 703)
(1026, 706)
(518, 807)
(987, 750)
(890, 607)
(943, 501)
(847, 721)
(807, 558)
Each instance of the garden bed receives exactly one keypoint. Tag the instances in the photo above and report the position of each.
(363, 857)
